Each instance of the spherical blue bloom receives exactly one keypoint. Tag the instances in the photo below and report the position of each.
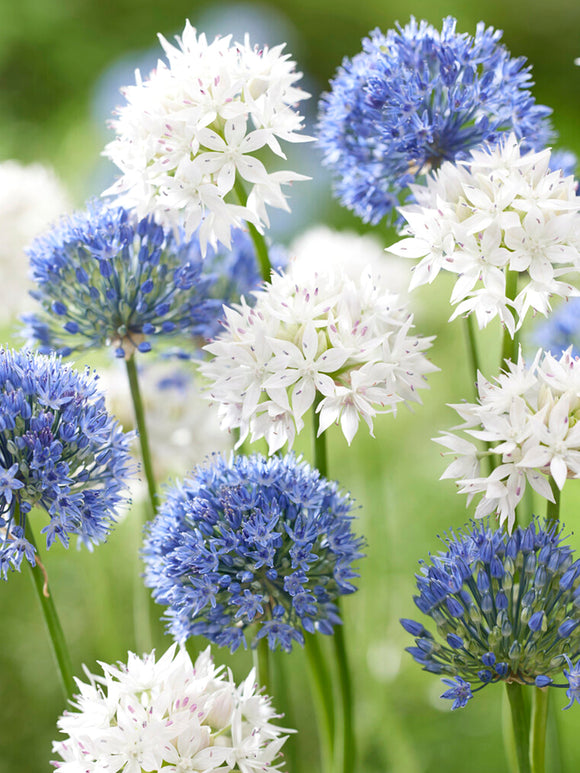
(414, 98)
(561, 330)
(105, 278)
(252, 547)
(60, 451)
(518, 624)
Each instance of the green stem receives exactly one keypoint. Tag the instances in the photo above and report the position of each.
(553, 508)
(321, 686)
(538, 729)
(521, 726)
(510, 345)
(345, 683)
(508, 733)
(261, 656)
(280, 661)
(345, 754)
(143, 606)
(55, 632)
(142, 429)
(145, 610)
(476, 370)
(257, 238)
(472, 349)
(554, 740)
(319, 452)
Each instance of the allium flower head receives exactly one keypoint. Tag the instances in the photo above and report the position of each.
(60, 451)
(528, 418)
(500, 216)
(188, 135)
(171, 715)
(322, 336)
(105, 278)
(252, 546)
(506, 608)
(417, 97)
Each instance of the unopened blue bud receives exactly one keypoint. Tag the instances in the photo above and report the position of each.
(412, 627)
(568, 578)
(454, 641)
(482, 582)
(455, 608)
(496, 567)
(502, 669)
(536, 621)
(59, 308)
(567, 627)
(106, 268)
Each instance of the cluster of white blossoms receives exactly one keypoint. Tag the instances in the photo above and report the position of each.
(505, 224)
(31, 197)
(170, 715)
(320, 336)
(528, 419)
(188, 135)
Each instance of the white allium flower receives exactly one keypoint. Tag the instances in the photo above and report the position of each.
(320, 247)
(31, 197)
(528, 417)
(324, 337)
(499, 217)
(188, 135)
(169, 715)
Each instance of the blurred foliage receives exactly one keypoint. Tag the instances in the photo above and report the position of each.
(53, 56)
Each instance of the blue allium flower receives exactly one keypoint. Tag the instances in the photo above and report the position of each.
(459, 692)
(60, 451)
(253, 543)
(561, 330)
(105, 278)
(416, 97)
(572, 674)
(506, 608)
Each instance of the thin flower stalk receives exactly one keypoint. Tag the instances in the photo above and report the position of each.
(539, 720)
(53, 625)
(344, 752)
(141, 423)
(260, 246)
(323, 697)
(521, 726)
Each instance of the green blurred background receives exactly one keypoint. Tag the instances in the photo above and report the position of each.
(61, 64)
